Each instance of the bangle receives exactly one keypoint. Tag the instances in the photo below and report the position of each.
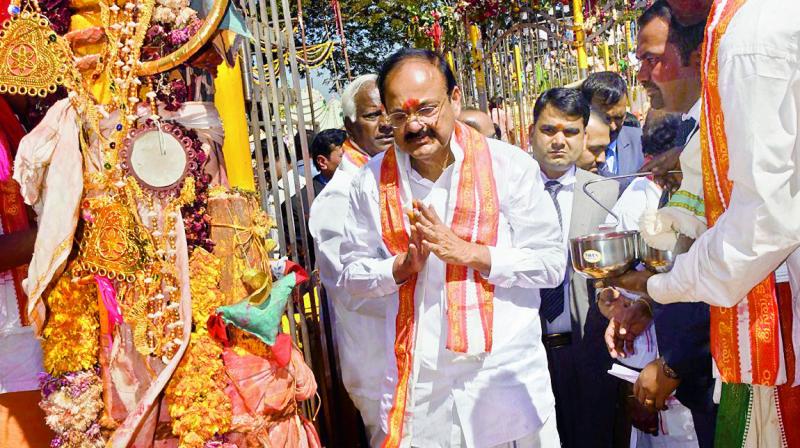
(668, 372)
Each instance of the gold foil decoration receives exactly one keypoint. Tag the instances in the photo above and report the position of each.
(33, 59)
(114, 243)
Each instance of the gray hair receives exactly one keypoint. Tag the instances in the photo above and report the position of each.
(350, 92)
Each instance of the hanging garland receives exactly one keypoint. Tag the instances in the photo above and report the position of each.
(314, 57)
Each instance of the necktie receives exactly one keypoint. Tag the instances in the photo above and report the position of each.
(553, 298)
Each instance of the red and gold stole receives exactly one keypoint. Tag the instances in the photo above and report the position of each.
(756, 315)
(475, 219)
(353, 154)
(13, 214)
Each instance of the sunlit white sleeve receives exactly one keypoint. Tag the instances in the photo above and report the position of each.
(536, 257)
(760, 92)
(367, 269)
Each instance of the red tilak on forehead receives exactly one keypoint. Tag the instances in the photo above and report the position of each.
(410, 104)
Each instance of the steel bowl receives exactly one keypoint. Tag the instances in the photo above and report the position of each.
(660, 261)
(603, 255)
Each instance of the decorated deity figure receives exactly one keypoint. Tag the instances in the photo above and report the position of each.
(124, 277)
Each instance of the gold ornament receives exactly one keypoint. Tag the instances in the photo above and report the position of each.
(114, 244)
(33, 59)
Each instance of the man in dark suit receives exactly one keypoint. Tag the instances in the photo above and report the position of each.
(572, 325)
(682, 329)
(608, 93)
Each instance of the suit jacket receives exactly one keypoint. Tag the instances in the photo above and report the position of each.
(585, 219)
(629, 155)
(683, 332)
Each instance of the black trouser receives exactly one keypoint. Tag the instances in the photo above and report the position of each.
(586, 396)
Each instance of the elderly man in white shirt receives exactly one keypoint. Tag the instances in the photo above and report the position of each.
(358, 325)
(454, 233)
(752, 67)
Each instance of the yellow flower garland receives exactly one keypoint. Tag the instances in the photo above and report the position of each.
(198, 405)
(70, 340)
(204, 273)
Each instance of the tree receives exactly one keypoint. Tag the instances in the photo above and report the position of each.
(372, 31)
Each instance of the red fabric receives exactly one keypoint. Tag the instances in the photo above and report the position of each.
(13, 213)
(217, 330)
(282, 349)
(300, 274)
(788, 396)
(11, 125)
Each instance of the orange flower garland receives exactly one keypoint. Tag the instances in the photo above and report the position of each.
(199, 407)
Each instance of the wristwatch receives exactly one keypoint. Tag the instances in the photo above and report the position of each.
(668, 372)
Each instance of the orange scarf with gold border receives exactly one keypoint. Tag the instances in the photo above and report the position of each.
(736, 357)
(475, 219)
(353, 154)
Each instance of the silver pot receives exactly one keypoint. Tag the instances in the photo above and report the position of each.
(660, 261)
(603, 255)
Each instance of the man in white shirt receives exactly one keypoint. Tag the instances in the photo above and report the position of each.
(752, 65)
(571, 323)
(358, 326)
(465, 365)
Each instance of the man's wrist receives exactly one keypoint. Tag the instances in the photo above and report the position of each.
(399, 269)
(478, 257)
(667, 370)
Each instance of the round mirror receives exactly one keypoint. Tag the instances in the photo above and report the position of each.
(158, 156)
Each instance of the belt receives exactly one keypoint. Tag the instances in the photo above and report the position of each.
(557, 340)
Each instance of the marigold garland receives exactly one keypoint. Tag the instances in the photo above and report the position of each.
(70, 340)
(199, 407)
(204, 272)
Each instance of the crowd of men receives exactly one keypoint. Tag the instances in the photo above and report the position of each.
(443, 248)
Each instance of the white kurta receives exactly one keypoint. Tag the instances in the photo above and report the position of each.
(759, 85)
(358, 324)
(493, 398)
(20, 352)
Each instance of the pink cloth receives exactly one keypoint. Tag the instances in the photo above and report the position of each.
(264, 397)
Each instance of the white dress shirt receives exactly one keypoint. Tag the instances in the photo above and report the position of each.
(563, 323)
(358, 324)
(611, 157)
(694, 114)
(496, 397)
(20, 352)
(759, 85)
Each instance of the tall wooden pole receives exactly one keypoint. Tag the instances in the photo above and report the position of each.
(580, 45)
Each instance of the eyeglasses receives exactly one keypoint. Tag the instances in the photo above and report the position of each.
(425, 115)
